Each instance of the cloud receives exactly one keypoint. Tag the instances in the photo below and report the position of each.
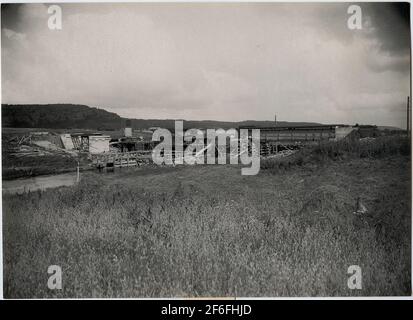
(385, 32)
(390, 25)
(13, 35)
(223, 61)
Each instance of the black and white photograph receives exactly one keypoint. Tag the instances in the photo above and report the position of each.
(196, 150)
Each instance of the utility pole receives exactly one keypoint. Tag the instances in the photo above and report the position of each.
(275, 125)
(408, 117)
(409, 109)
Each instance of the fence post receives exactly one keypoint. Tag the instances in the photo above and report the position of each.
(77, 172)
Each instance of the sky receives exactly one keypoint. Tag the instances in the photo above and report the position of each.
(212, 61)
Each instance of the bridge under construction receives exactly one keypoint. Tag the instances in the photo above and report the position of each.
(273, 141)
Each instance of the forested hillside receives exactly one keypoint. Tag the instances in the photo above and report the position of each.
(59, 116)
(71, 116)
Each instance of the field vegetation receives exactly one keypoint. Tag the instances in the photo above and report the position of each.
(209, 231)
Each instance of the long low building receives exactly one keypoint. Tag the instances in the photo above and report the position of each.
(306, 134)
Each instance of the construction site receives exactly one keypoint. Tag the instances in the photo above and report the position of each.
(130, 148)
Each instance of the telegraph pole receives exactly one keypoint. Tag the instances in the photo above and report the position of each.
(408, 117)
(275, 125)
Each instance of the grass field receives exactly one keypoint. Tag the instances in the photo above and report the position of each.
(209, 231)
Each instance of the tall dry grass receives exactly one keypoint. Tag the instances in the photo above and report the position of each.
(207, 231)
(351, 148)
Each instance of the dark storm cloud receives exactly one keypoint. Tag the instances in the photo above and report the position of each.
(10, 16)
(390, 25)
(386, 26)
